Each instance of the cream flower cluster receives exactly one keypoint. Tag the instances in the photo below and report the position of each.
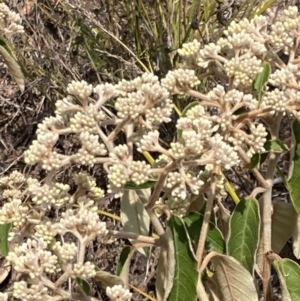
(10, 22)
(144, 96)
(32, 258)
(83, 221)
(45, 197)
(244, 44)
(3, 296)
(22, 290)
(84, 270)
(123, 170)
(143, 101)
(87, 183)
(118, 293)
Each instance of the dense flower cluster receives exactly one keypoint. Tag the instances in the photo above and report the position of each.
(118, 293)
(143, 103)
(9, 21)
(84, 221)
(33, 259)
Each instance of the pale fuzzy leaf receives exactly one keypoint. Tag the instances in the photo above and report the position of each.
(289, 274)
(108, 279)
(284, 219)
(165, 267)
(5, 268)
(296, 239)
(14, 67)
(134, 216)
(233, 281)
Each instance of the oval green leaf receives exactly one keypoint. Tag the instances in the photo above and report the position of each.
(4, 231)
(122, 260)
(254, 162)
(84, 285)
(123, 266)
(186, 275)
(262, 79)
(284, 219)
(276, 146)
(289, 276)
(244, 229)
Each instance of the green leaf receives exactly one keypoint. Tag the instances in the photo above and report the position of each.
(123, 257)
(294, 172)
(232, 282)
(132, 185)
(289, 275)
(186, 275)
(4, 231)
(284, 219)
(197, 204)
(84, 285)
(185, 110)
(123, 266)
(244, 232)
(214, 239)
(276, 146)
(12, 64)
(254, 162)
(261, 80)
(134, 216)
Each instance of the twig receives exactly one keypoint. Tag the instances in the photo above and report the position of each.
(205, 224)
(267, 209)
(139, 238)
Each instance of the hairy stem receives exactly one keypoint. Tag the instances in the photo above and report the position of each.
(156, 223)
(139, 238)
(205, 224)
(267, 211)
(159, 185)
(64, 277)
(201, 290)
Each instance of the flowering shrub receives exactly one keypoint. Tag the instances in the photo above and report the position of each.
(234, 125)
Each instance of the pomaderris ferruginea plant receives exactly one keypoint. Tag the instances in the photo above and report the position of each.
(206, 252)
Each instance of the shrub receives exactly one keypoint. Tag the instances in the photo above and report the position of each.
(206, 251)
